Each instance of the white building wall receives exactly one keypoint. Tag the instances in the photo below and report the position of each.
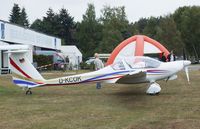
(13, 34)
(16, 34)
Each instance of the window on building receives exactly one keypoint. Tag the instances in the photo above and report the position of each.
(55, 42)
(2, 30)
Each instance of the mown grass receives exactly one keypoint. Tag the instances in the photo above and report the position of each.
(112, 107)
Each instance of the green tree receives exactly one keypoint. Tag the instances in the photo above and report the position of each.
(15, 14)
(89, 32)
(150, 27)
(65, 26)
(19, 16)
(37, 25)
(140, 25)
(24, 18)
(188, 23)
(168, 34)
(115, 26)
(49, 22)
(61, 25)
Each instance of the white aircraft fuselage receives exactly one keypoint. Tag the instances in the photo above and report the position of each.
(129, 70)
(126, 76)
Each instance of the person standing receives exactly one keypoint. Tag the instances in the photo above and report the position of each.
(98, 65)
(67, 62)
(171, 56)
(163, 58)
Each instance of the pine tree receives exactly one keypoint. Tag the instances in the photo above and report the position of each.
(37, 25)
(15, 14)
(49, 22)
(66, 26)
(19, 16)
(24, 18)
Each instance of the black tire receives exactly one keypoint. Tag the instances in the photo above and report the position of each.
(28, 92)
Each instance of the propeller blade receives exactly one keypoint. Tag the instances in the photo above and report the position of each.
(187, 74)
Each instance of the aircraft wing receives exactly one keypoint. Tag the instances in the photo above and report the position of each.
(133, 77)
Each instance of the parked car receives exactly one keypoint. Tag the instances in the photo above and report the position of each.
(90, 60)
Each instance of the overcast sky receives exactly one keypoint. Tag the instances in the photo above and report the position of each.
(135, 9)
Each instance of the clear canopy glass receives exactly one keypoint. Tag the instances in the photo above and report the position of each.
(136, 62)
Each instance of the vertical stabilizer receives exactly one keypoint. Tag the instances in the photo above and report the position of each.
(23, 72)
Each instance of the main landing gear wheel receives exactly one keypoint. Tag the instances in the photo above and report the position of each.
(29, 92)
(153, 89)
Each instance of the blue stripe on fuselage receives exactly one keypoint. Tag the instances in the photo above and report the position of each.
(109, 74)
(24, 82)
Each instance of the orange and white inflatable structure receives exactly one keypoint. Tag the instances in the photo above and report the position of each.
(137, 45)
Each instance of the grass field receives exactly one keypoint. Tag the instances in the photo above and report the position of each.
(112, 107)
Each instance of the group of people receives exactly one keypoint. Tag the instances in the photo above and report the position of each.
(170, 57)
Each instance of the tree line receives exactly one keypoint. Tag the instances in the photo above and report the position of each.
(178, 31)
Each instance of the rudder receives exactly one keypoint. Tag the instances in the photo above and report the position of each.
(23, 72)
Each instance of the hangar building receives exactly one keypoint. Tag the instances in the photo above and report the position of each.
(11, 34)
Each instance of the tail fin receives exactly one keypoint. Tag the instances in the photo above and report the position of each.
(23, 72)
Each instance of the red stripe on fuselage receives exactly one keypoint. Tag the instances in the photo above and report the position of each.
(18, 68)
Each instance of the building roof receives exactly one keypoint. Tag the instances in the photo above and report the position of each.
(27, 28)
(12, 33)
(70, 49)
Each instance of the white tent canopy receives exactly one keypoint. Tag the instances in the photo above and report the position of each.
(73, 53)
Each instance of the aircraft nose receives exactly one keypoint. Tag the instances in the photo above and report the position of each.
(187, 62)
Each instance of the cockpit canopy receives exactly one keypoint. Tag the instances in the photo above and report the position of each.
(136, 62)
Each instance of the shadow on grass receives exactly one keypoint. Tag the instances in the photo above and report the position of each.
(128, 93)
(134, 96)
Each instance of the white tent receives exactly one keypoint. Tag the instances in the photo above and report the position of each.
(73, 53)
